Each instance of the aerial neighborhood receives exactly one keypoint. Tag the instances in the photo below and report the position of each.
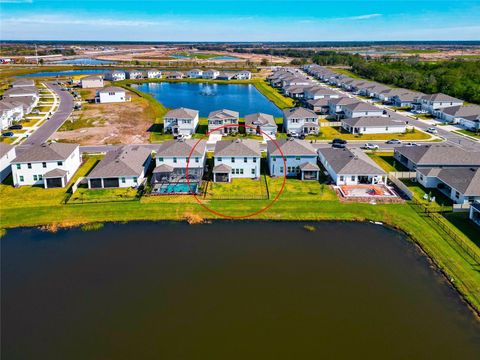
(225, 146)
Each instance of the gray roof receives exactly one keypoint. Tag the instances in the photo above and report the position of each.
(260, 119)
(21, 91)
(299, 113)
(112, 89)
(124, 161)
(321, 90)
(54, 173)
(319, 102)
(182, 113)
(92, 77)
(362, 106)
(374, 121)
(463, 179)
(221, 168)
(394, 92)
(238, 147)
(223, 114)
(46, 152)
(350, 161)
(343, 101)
(441, 97)
(181, 148)
(308, 166)
(461, 110)
(23, 82)
(163, 168)
(291, 147)
(439, 155)
(408, 96)
(4, 148)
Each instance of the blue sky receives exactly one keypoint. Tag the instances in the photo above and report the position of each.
(248, 20)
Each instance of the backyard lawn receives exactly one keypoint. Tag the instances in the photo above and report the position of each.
(84, 195)
(386, 161)
(469, 133)
(332, 132)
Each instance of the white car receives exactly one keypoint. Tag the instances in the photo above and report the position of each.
(432, 130)
(369, 146)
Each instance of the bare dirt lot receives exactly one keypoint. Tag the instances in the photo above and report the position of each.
(115, 123)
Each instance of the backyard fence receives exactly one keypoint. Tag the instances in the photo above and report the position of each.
(461, 207)
(403, 174)
(438, 219)
(331, 123)
(400, 186)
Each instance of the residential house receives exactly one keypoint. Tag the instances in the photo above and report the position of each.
(195, 73)
(23, 83)
(297, 121)
(373, 90)
(298, 80)
(406, 99)
(92, 81)
(294, 91)
(171, 160)
(7, 155)
(10, 111)
(24, 91)
(475, 212)
(361, 109)
(223, 117)
(374, 125)
(460, 184)
(51, 165)
(351, 167)
(210, 74)
(435, 155)
(225, 75)
(260, 121)
(154, 74)
(239, 158)
(336, 105)
(457, 114)
(135, 74)
(126, 166)
(387, 95)
(300, 159)
(433, 103)
(111, 94)
(181, 121)
(116, 75)
(175, 75)
(471, 122)
(320, 106)
(243, 75)
(319, 92)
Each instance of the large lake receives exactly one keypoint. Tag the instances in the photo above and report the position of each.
(229, 290)
(245, 99)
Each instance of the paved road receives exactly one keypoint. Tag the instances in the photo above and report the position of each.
(64, 110)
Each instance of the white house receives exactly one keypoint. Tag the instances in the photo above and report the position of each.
(460, 184)
(195, 73)
(135, 74)
(351, 167)
(154, 74)
(23, 91)
(23, 83)
(388, 94)
(239, 158)
(111, 94)
(123, 167)
(243, 75)
(361, 109)
(115, 75)
(260, 121)
(300, 159)
(300, 120)
(319, 92)
(475, 212)
(336, 105)
(10, 111)
(455, 114)
(50, 165)
(175, 75)
(93, 81)
(210, 74)
(181, 121)
(223, 117)
(171, 162)
(434, 102)
(407, 99)
(374, 125)
(7, 155)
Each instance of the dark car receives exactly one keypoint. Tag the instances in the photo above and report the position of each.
(16, 127)
(8, 134)
(339, 145)
(339, 141)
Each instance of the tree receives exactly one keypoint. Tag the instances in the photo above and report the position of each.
(264, 62)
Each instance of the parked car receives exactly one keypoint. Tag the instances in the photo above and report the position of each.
(432, 130)
(15, 127)
(339, 141)
(8, 134)
(339, 145)
(411, 144)
(370, 146)
(394, 141)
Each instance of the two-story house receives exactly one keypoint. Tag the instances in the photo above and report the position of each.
(361, 109)
(297, 121)
(51, 165)
(111, 94)
(181, 121)
(195, 73)
(239, 158)
(433, 103)
(154, 74)
(223, 117)
(260, 121)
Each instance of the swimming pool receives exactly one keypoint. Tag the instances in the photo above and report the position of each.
(182, 188)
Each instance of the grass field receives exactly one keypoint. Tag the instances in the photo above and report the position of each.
(469, 133)
(386, 161)
(330, 132)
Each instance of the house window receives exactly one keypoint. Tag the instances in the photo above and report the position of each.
(254, 159)
(457, 194)
(353, 177)
(233, 160)
(253, 171)
(21, 178)
(160, 159)
(175, 160)
(219, 159)
(29, 165)
(241, 171)
(134, 179)
(123, 180)
(273, 158)
(197, 160)
(19, 166)
(59, 163)
(44, 164)
(40, 177)
(341, 178)
(233, 171)
(35, 178)
(245, 160)
(281, 169)
(297, 158)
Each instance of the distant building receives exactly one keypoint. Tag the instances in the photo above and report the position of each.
(210, 74)
(435, 102)
(136, 74)
(93, 81)
(115, 75)
(361, 109)
(195, 73)
(298, 121)
(243, 75)
(154, 74)
(374, 125)
(260, 121)
(111, 94)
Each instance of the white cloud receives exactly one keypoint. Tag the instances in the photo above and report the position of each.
(363, 17)
(16, 1)
(62, 20)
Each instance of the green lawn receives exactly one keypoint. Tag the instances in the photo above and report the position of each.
(84, 195)
(237, 189)
(469, 133)
(386, 161)
(331, 132)
(441, 202)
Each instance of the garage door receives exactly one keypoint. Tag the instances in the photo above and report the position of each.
(111, 183)
(54, 182)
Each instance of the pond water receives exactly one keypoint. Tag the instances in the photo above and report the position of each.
(244, 98)
(85, 61)
(228, 290)
(64, 73)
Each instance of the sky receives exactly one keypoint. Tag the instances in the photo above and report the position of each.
(247, 20)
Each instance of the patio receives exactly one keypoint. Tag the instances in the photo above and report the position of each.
(366, 191)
